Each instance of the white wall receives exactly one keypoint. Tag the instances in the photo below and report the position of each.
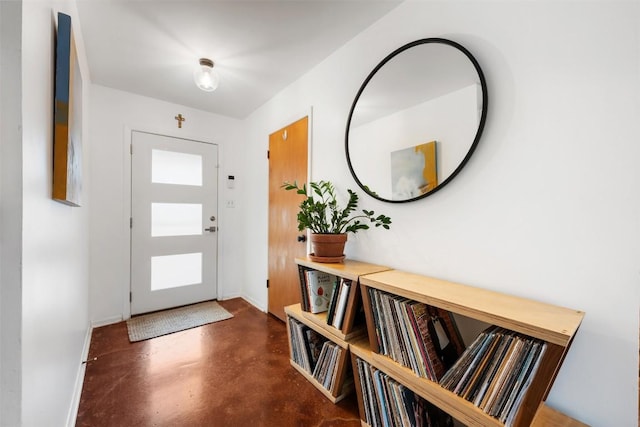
(55, 237)
(547, 208)
(10, 211)
(114, 114)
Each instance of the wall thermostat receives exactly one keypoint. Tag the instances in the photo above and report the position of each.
(231, 181)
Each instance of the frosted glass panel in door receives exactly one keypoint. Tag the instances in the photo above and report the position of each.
(170, 167)
(176, 219)
(172, 271)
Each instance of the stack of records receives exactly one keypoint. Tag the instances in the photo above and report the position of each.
(306, 345)
(418, 336)
(495, 372)
(388, 403)
(316, 289)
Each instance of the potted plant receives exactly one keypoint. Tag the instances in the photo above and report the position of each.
(330, 223)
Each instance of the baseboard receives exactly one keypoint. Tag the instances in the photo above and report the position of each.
(105, 322)
(227, 297)
(77, 390)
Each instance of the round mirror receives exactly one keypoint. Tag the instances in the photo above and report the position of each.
(416, 120)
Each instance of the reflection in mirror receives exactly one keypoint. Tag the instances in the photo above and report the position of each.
(416, 120)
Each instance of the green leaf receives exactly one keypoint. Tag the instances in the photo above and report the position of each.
(320, 213)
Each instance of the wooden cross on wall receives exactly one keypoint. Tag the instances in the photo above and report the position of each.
(180, 119)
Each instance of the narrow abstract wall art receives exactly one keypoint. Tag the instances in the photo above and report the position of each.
(414, 171)
(67, 144)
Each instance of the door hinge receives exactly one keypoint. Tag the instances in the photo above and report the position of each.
(131, 148)
(267, 283)
(130, 222)
(268, 154)
(130, 296)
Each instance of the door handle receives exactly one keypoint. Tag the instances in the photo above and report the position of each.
(211, 229)
(302, 238)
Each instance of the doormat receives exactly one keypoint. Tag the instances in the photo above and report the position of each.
(178, 319)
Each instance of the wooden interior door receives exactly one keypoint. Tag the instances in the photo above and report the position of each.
(288, 151)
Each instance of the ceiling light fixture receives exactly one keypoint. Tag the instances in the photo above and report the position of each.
(205, 77)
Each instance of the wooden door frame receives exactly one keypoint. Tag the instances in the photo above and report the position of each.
(126, 212)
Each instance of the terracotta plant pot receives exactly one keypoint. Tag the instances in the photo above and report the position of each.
(328, 246)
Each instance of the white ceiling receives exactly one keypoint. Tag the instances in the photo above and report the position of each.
(150, 47)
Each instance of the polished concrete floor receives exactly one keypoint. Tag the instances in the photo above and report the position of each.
(230, 373)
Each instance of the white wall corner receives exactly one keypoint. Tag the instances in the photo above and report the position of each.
(77, 390)
(255, 303)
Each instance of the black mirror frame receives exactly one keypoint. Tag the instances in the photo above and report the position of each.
(483, 116)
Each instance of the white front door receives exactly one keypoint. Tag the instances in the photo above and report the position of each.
(173, 228)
